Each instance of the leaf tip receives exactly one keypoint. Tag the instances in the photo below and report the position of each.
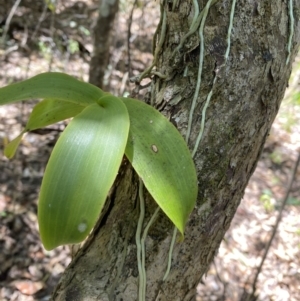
(11, 148)
(181, 237)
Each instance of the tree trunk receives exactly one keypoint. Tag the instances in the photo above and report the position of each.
(246, 93)
(102, 40)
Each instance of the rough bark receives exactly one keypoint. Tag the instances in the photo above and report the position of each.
(245, 100)
(102, 40)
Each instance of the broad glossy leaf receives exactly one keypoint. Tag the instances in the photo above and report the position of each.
(162, 159)
(51, 85)
(50, 111)
(80, 172)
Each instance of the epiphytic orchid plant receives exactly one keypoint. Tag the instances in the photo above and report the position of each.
(86, 158)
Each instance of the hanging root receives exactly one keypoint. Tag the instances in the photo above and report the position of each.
(199, 19)
(141, 268)
(230, 30)
(170, 254)
(201, 56)
(140, 242)
(291, 21)
(203, 118)
(202, 125)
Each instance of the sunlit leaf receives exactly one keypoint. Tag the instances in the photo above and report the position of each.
(162, 159)
(51, 85)
(80, 172)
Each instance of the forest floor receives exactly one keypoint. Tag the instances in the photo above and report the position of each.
(39, 41)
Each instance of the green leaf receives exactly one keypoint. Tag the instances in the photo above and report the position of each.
(50, 5)
(11, 148)
(162, 159)
(50, 111)
(51, 85)
(46, 112)
(80, 172)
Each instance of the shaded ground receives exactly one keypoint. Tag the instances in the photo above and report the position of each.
(38, 41)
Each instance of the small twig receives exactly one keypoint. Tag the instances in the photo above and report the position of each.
(8, 20)
(41, 19)
(129, 36)
(292, 179)
(52, 30)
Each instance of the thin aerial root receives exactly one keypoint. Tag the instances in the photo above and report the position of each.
(230, 30)
(141, 268)
(201, 56)
(291, 21)
(203, 118)
(170, 254)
